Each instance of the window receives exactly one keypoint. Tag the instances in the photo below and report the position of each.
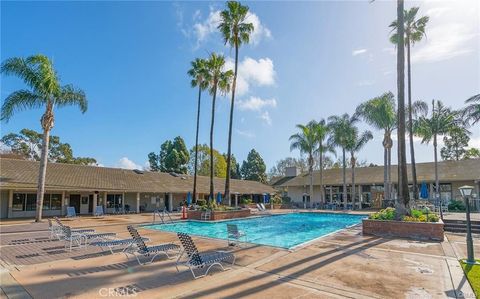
(18, 202)
(114, 200)
(28, 201)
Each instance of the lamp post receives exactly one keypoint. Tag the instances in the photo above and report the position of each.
(466, 191)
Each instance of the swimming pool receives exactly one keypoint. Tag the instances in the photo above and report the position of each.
(286, 230)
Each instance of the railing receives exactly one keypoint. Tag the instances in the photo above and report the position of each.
(163, 215)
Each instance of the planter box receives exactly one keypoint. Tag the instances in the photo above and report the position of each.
(220, 215)
(411, 230)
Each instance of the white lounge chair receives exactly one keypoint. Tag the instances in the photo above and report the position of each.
(233, 233)
(199, 260)
(150, 250)
(71, 212)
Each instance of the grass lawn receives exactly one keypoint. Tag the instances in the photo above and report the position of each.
(473, 275)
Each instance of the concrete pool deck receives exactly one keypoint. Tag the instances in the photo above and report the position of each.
(345, 264)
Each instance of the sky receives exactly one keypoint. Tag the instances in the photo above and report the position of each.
(306, 60)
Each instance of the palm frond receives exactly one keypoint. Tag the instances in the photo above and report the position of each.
(20, 100)
(71, 96)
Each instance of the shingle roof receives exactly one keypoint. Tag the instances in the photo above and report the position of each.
(448, 171)
(23, 174)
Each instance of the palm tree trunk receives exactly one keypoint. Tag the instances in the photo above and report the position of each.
(403, 194)
(410, 125)
(344, 200)
(211, 141)
(437, 183)
(310, 171)
(389, 172)
(229, 150)
(385, 170)
(42, 175)
(353, 162)
(196, 147)
(322, 194)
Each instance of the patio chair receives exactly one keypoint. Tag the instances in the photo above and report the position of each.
(199, 260)
(78, 231)
(71, 212)
(85, 235)
(234, 234)
(55, 230)
(154, 250)
(99, 211)
(261, 208)
(206, 215)
(73, 239)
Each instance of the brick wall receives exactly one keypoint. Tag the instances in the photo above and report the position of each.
(220, 215)
(411, 230)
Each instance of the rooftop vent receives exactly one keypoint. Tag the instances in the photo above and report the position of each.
(138, 171)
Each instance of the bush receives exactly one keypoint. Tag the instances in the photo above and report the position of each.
(422, 218)
(286, 199)
(246, 201)
(416, 213)
(385, 214)
(201, 202)
(276, 199)
(456, 205)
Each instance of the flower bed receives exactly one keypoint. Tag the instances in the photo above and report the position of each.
(220, 215)
(421, 225)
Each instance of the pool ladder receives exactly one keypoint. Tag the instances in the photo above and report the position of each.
(164, 216)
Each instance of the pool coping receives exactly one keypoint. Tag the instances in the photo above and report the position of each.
(291, 249)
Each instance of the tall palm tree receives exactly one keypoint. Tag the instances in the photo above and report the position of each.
(381, 114)
(322, 131)
(45, 90)
(440, 122)
(355, 144)
(198, 73)
(414, 32)
(342, 130)
(218, 80)
(403, 194)
(236, 31)
(306, 142)
(471, 113)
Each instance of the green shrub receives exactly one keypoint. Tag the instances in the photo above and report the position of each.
(416, 213)
(201, 202)
(286, 199)
(246, 201)
(456, 205)
(422, 218)
(276, 199)
(385, 214)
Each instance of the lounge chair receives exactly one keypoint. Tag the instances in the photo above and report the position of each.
(261, 208)
(55, 230)
(234, 234)
(99, 211)
(74, 239)
(150, 250)
(85, 235)
(60, 231)
(199, 260)
(127, 244)
(71, 212)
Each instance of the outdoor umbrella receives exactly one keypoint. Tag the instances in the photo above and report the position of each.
(219, 198)
(189, 198)
(267, 197)
(264, 198)
(424, 191)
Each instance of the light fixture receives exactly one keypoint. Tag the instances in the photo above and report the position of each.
(466, 190)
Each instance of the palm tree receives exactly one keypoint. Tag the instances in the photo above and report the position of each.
(472, 112)
(322, 131)
(403, 194)
(381, 114)
(306, 142)
(414, 32)
(217, 80)
(355, 144)
(39, 75)
(236, 31)
(440, 122)
(342, 130)
(198, 73)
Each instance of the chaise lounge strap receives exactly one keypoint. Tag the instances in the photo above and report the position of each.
(161, 247)
(215, 257)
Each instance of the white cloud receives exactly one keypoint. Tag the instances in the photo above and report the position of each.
(362, 83)
(444, 42)
(245, 133)
(359, 52)
(202, 30)
(256, 104)
(127, 164)
(259, 72)
(265, 116)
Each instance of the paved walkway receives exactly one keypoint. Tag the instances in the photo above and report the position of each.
(343, 265)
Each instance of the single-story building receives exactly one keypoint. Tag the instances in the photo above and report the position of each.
(369, 183)
(84, 187)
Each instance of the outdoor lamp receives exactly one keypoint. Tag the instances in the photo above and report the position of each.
(466, 190)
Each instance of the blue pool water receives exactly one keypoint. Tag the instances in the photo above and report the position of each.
(286, 231)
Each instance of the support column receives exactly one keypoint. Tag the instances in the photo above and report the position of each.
(94, 204)
(64, 204)
(123, 202)
(105, 202)
(230, 200)
(170, 202)
(236, 200)
(10, 204)
(138, 202)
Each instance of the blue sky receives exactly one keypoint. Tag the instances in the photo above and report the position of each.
(307, 60)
